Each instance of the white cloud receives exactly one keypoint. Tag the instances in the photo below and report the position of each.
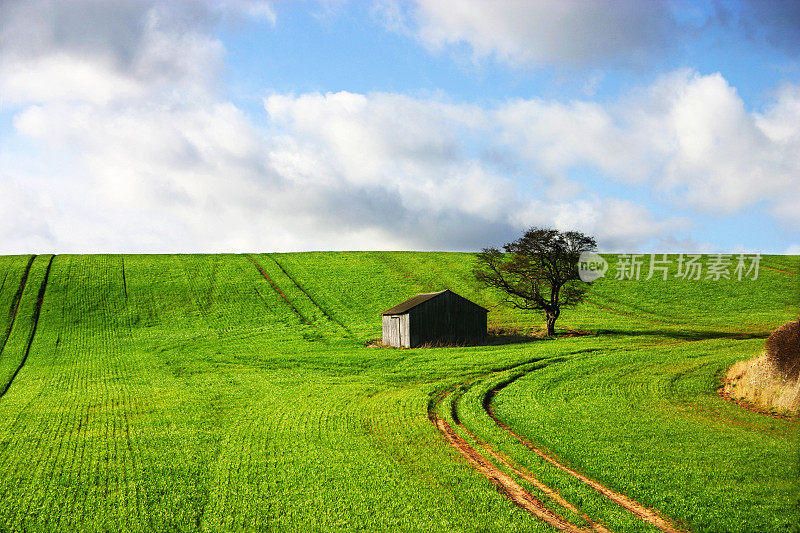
(689, 136)
(571, 32)
(407, 173)
(99, 51)
(417, 152)
(134, 150)
(25, 212)
(726, 158)
(330, 171)
(619, 225)
(559, 136)
(589, 33)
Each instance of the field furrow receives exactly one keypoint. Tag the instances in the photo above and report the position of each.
(226, 393)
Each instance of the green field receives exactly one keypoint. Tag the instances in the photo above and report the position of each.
(192, 392)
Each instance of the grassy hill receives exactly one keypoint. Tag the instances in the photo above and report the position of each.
(230, 392)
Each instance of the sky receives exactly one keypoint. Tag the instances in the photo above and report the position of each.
(144, 126)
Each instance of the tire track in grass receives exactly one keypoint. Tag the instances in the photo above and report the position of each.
(645, 513)
(3, 285)
(15, 303)
(511, 490)
(13, 460)
(524, 474)
(530, 478)
(780, 270)
(656, 320)
(632, 315)
(637, 316)
(124, 278)
(35, 320)
(313, 301)
(141, 456)
(279, 291)
(41, 461)
(505, 483)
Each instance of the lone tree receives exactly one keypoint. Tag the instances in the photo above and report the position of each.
(538, 271)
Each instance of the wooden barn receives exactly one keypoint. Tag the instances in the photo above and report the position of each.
(441, 317)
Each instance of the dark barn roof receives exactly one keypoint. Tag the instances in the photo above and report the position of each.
(414, 301)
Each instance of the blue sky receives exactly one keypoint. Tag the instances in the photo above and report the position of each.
(146, 126)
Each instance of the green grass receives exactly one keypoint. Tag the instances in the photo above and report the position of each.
(183, 392)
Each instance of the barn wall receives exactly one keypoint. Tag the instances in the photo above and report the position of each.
(390, 337)
(396, 333)
(447, 319)
(405, 330)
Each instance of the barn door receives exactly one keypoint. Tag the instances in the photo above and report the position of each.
(396, 330)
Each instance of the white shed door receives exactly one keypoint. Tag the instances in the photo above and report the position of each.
(395, 335)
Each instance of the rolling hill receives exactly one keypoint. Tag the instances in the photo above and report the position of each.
(238, 392)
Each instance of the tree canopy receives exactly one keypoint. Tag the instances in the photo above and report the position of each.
(538, 271)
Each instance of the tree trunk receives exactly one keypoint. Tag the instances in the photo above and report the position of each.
(551, 324)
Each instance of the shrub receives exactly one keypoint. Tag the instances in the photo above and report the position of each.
(783, 349)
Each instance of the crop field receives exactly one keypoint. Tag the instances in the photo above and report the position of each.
(238, 392)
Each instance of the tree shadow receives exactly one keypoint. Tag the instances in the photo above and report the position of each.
(501, 340)
(686, 334)
(520, 336)
(511, 336)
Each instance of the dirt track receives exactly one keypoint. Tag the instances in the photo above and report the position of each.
(522, 497)
(513, 490)
(527, 476)
(505, 483)
(645, 513)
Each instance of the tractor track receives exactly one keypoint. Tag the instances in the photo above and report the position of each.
(657, 320)
(35, 319)
(780, 270)
(511, 488)
(632, 315)
(15, 303)
(505, 483)
(530, 478)
(279, 291)
(645, 513)
(313, 301)
(124, 278)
